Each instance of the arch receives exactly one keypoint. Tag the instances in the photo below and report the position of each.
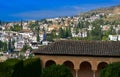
(49, 63)
(85, 65)
(69, 64)
(100, 66)
(85, 69)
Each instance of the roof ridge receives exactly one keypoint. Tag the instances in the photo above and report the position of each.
(71, 47)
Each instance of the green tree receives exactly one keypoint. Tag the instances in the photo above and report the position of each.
(49, 37)
(38, 37)
(111, 31)
(86, 24)
(32, 26)
(68, 32)
(96, 33)
(5, 46)
(25, 48)
(76, 30)
(62, 33)
(112, 70)
(53, 34)
(57, 71)
(15, 28)
(118, 32)
(81, 24)
(10, 45)
(1, 45)
(32, 67)
(21, 68)
(11, 68)
(104, 38)
(21, 24)
(37, 30)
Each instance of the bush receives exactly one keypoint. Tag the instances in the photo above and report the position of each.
(112, 70)
(11, 68)
(32, 67)
(56, 71)
(19, 68)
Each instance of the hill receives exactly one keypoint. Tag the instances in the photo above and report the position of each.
(107, 10)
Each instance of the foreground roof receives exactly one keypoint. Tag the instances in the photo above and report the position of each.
(82, 48)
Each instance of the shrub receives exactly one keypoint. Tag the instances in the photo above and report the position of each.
(11, 68)
(56, 71)
(112, 70)
(18, 68)
(32, 67)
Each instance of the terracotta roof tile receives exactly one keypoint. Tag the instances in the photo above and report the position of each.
(82, 48)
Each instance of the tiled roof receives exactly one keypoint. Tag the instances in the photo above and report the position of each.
(82, 48)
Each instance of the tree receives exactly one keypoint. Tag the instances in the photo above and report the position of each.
(38, 37)
(118, 32)
(32, 67)
(37, 29)
(68, 32)
(80, 25)
(32, 26)
(15, 28)
(98, 22)
(3, 46)
(10, 45)
(49, 37)
(104, 38)
(86, 24)
(53, 34)
(57, 71)
(76, 30)
(25, 48)
(11, 68)
(96, 33)
(21, 68)
(62, 33)
(21, 24)
(112, 70)
(111, 31)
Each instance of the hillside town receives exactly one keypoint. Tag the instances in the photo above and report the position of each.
(59, 38)
(28, 36)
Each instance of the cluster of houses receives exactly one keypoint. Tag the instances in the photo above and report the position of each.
(27, 36)
(21, 38)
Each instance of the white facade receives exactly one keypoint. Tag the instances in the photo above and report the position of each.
(114, 37)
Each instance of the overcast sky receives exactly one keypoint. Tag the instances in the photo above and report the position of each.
(12, 10)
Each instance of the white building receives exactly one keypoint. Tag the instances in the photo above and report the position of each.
(114, 37)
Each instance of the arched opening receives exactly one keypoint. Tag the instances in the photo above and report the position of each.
(49, 63)
(85, 70)
(70, 65)
(100, 67)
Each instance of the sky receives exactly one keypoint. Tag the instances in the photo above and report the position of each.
(15, 10)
